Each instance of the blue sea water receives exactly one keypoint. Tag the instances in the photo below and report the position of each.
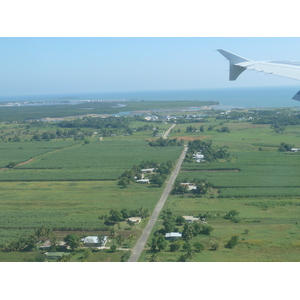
(253, 97)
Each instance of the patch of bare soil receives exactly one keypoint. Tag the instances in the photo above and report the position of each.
(25, 162)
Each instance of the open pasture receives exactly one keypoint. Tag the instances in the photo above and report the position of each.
(268, 230)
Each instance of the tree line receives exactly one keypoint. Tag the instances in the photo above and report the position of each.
(205, 147)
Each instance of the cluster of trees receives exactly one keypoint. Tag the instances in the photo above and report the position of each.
(190, 230)
(232, 242)
(285, 147)
(278, 119)
(202, 187)
(105, 126)
(116, 216)
(205, 147)
(29, 243)
(75, 133)
(224, 129)
(236, 115)
(161, 142)
(232, 215)
(146, 127)
(194, 129)
(161, 172)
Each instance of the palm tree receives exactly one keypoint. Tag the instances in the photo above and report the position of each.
(112, 233)
(131, 238)
(120, 240)
(64, 258)
(153, 257)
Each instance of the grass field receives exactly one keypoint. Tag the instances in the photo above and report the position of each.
(68, 184)
(262, 186)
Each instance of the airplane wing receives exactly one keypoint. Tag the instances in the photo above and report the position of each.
(238, 64)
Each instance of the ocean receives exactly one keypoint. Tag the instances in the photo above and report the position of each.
(250, 97)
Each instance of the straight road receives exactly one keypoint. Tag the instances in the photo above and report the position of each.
(139, 246)
(168, 131)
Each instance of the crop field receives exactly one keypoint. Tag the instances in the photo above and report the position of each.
(98, 160)
(67, 184)
(260, 183)
(66, 205)
(259, 173)
(21, 152)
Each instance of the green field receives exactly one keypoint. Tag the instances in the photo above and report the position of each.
(98, 160)
(262, 186)
(67, 184)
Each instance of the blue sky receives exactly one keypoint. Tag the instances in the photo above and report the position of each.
(48, 65)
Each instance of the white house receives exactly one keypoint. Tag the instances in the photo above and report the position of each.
(93, 241)
(135, 219)
(150, 170)
(190, 186)
(198, 156)
(190, 219)
(143, 180)
(173, 235)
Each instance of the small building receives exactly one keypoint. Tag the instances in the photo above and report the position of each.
(190, 186)
(61, 245)
(173, 235)
(190, 219)
(45, 246)
(143, 181)
(150, 170)
(93, 241)
(295, 149)
(55, 255)
(136, 220)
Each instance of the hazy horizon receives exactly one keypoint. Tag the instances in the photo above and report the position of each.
(46, 65)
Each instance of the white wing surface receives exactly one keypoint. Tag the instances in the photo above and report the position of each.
(238, 64)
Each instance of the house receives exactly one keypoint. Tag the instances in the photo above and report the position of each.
(295, 149)
(173, 235)
(136, 220)
(60, 245)
(150, 170)
(198, 156)
(93, 241)
(190, 219)
(190, 186)
(143, 181)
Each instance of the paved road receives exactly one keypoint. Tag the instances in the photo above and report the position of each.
(168, 131)
(139, 246)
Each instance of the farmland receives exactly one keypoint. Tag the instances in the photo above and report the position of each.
(257, 181)
(66, 179)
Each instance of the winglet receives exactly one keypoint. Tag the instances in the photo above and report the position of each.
(297, 96)
(234, 70)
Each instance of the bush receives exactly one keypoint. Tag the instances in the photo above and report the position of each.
(125, 256)
(113, 248)
(232, 242)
